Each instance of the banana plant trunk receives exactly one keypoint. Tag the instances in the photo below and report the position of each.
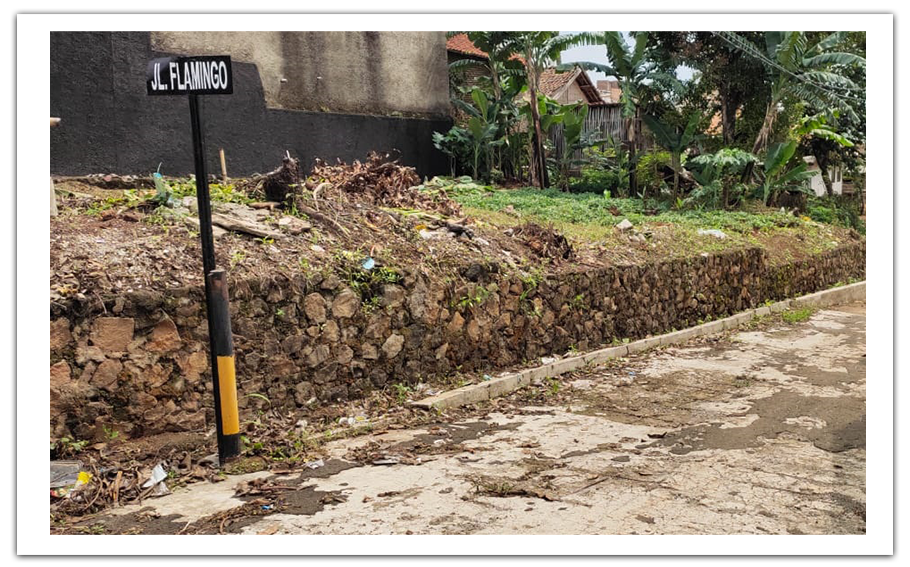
(823, 163)
(633, 146)
(764, 135)
(538, 160)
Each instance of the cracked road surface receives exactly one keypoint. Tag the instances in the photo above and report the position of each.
(757, 432)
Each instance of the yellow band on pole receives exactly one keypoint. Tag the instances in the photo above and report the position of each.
(227, 384)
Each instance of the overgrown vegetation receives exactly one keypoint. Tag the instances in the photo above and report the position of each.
(745, 129)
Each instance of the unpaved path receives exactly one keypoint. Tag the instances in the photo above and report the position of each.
(761, 431)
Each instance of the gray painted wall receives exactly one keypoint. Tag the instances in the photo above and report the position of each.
(109, 124)
(355, 72)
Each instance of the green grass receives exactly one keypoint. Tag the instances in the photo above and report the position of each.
(594, 209)
(796, 315)
(589, 217)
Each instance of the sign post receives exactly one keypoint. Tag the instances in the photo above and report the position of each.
(195, 76)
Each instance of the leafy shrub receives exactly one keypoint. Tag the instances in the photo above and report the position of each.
(650, 170)
(838, 210)
(605, 170)
(594, 179)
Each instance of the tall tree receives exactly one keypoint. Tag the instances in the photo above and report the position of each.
(536, 51)
(810, 71)
(727, 79)
(635, 72)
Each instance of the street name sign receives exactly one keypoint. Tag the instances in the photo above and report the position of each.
(202, 75)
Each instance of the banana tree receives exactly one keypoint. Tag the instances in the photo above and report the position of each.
(482, 127)
(537, 51)
(634, 71)
(500, 64)
(818, 137)
(778, 176)
(811, 73)
(674, 141)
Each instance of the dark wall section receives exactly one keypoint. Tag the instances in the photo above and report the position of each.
(109, 124)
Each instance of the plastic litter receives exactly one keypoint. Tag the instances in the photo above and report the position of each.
(157, 481)
(352, 421)
(388, 460)
(315, 464)
(487, 377)
(368, 263)
(158, 475)
(64, 473)
(713, 232)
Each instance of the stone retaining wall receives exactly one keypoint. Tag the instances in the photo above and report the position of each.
(138, 364)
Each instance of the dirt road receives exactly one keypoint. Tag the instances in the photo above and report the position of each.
(760, 431)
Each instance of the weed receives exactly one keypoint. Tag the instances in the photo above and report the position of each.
(94, 529)
(110, 433)
(742, 382)
(69, 446)
(259, 396)
(371, 305)
(237, 258)
(796, 315)
(401, 392)
(552, 386)
(479, 295)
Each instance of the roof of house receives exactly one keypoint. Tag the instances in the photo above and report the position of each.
(461, 44)
(553, 84)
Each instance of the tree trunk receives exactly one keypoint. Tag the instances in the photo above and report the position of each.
(826, 179)
(764, 135)
(727, 114)
(676, 166)
(633, 173)
(538, 160)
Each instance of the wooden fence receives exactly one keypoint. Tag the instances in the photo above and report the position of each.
(604, 122)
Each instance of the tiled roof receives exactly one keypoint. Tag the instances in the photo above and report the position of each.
(552, 82)
(461, 44)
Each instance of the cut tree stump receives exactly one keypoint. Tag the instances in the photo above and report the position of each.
(282, 181)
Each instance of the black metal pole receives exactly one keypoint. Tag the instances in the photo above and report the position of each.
(223, 353)
(227, 449)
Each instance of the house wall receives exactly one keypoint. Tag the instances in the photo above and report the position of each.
(818, 184)
(353, 72)
(571, 94)
(467, 77)
(109, 124)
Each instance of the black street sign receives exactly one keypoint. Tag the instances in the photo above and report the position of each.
(194, 76)
(204, 75)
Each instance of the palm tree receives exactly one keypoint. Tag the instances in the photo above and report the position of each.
(812, 73)
(634, 71)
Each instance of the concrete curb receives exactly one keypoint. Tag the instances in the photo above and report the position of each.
(512, 381)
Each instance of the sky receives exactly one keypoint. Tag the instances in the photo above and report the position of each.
(598, 54)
